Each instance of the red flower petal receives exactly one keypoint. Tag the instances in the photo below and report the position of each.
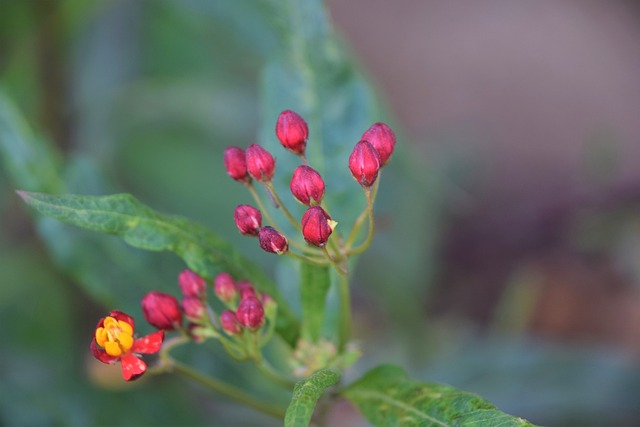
(101, 355)
(132, 366)
(119, 315)
(149, 344)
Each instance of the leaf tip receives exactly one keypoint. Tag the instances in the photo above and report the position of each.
(23, 195)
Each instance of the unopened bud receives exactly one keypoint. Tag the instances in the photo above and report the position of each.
(260, 163)
(192, 284)
(364, 163)
(246, 289)
(224, 287)
(317, 226)
(250, 312)
(229, 322)
(272, 241)
(383, 140)
(193, 308)
(161, 310)
(270, 306)
(236, 164)
(307, 185)
(248, 220)
(292, 131)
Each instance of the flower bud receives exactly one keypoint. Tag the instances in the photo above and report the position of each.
(317, 226)
(270, 306)
(292, 131)
(364, 163)
(192, 284)
(260, 163)
(250, 312)
(307, 185)
(248, 219)
(272, 241)
(246, 289)
(224, 287)
(193, 308)
(383, 140)
(236, 164)
(161, 310)
(229, 322)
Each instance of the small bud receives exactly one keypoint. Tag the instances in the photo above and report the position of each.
(292, 131)
(272, 241)
(250, 312)
(248, 220)
(364, 163)
(225, 287)
(230, 323)
(246, 289)
(307, 185)
(260, 163)
(383, 140)
(192, 284)
(317, 226)
(270, 306)
(161, 310)
(193, 308)
(236, 164)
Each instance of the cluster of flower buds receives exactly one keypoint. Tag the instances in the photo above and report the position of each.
(369, 155)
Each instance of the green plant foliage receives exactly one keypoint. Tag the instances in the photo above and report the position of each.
(387, 397)
(314, 285)
(141, 227)
(305, 395)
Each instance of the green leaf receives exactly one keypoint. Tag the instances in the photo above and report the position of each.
(387, 397)
(141, 227)
(314, 285)
(305, 395)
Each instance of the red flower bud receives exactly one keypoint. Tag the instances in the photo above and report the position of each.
(248, 219)
(383, 140)
(193, 308)
(229, 322)
(192, 284)
(250, 312)
(364, 163)
(225, 287)
(236, 164)
(272, 241)
(246, 289)
(317, 226)
(292, 131)
(260, 163)
(307, 185)
(161, 310)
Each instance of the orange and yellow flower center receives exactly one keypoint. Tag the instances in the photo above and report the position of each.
(115, 336)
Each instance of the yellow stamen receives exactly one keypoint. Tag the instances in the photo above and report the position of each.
(115, 336)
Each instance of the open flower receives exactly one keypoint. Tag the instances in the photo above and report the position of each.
(113, 341)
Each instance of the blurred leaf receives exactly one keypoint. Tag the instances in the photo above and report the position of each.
(141, 227)
(305, 395)
(387, 397)
(314, 285)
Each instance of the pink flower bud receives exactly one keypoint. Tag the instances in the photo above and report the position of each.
(193, 308)
(246, 289)
(292, 131)
(229, 322)
(248, 219)
(383, 140)
(191, 284)
(236, 164)
(250, 312)
(272, 241)
(317, 226)
(364, 163)
(307, 185)
(161, 310)
(225, 287)
(260, 163)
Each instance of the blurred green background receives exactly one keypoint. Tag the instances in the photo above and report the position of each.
(520, 289)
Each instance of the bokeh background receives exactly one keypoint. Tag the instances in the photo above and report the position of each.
(508, 256)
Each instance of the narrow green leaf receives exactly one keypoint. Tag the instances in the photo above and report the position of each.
(305, 396)
(314, 285)
(387, 397)
(141, 227)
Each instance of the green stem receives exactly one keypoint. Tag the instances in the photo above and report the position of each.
(273, 375)
(334, 263)
(344, 323)
(271, 189)
(372, 227)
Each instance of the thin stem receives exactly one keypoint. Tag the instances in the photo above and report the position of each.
(314, 261)
(333, 262)
(365, 213)
(344, 323)
(362, 247)
(271, 189)
(273, 375)
(262, 208)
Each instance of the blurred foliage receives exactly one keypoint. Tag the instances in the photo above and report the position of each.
(142, 97)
